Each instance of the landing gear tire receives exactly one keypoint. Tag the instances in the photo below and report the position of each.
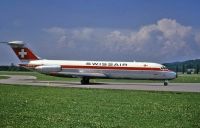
(85, 81)
(166, 83)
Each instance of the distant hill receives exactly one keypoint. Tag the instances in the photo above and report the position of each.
(180, 66)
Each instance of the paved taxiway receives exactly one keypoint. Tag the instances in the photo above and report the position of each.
(31, 80)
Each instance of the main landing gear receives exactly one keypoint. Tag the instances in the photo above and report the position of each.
(85, 80)
(166, 82)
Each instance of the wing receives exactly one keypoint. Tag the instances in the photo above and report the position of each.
(56, 70)
(72, 74)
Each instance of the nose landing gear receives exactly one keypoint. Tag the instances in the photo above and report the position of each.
(166, 82)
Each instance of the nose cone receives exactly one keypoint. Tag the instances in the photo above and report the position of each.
(171, 75)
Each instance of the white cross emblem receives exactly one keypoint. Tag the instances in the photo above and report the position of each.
(22, 53)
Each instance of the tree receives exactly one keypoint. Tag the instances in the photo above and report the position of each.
(177, 68)
(183, 68)
(197, 69)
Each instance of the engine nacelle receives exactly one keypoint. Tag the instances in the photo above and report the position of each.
(48, 68)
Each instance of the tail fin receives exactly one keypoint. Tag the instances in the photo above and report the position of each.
(22, 52)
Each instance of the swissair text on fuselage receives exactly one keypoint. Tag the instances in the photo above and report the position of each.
(115, 64)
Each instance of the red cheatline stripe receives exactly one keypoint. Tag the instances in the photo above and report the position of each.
(110, 68)
(100, 67)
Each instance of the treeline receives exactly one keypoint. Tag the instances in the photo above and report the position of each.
(13, 68)
(184, 66)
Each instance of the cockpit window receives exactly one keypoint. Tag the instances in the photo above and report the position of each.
(163, 68)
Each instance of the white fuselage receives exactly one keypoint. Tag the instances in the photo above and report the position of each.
(103, 69)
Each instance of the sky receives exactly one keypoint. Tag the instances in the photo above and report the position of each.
(118, 30)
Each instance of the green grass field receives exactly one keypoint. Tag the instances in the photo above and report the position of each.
(187, 78)
(3, 77)
(182, 78)
(29, 106)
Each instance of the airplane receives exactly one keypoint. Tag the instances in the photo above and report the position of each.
(87, 70)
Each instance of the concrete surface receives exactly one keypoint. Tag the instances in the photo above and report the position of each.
(31, 80)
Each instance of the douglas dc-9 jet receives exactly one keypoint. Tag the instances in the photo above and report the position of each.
(87, 70)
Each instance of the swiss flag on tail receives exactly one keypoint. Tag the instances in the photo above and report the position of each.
(22, 52)
(25, 54)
